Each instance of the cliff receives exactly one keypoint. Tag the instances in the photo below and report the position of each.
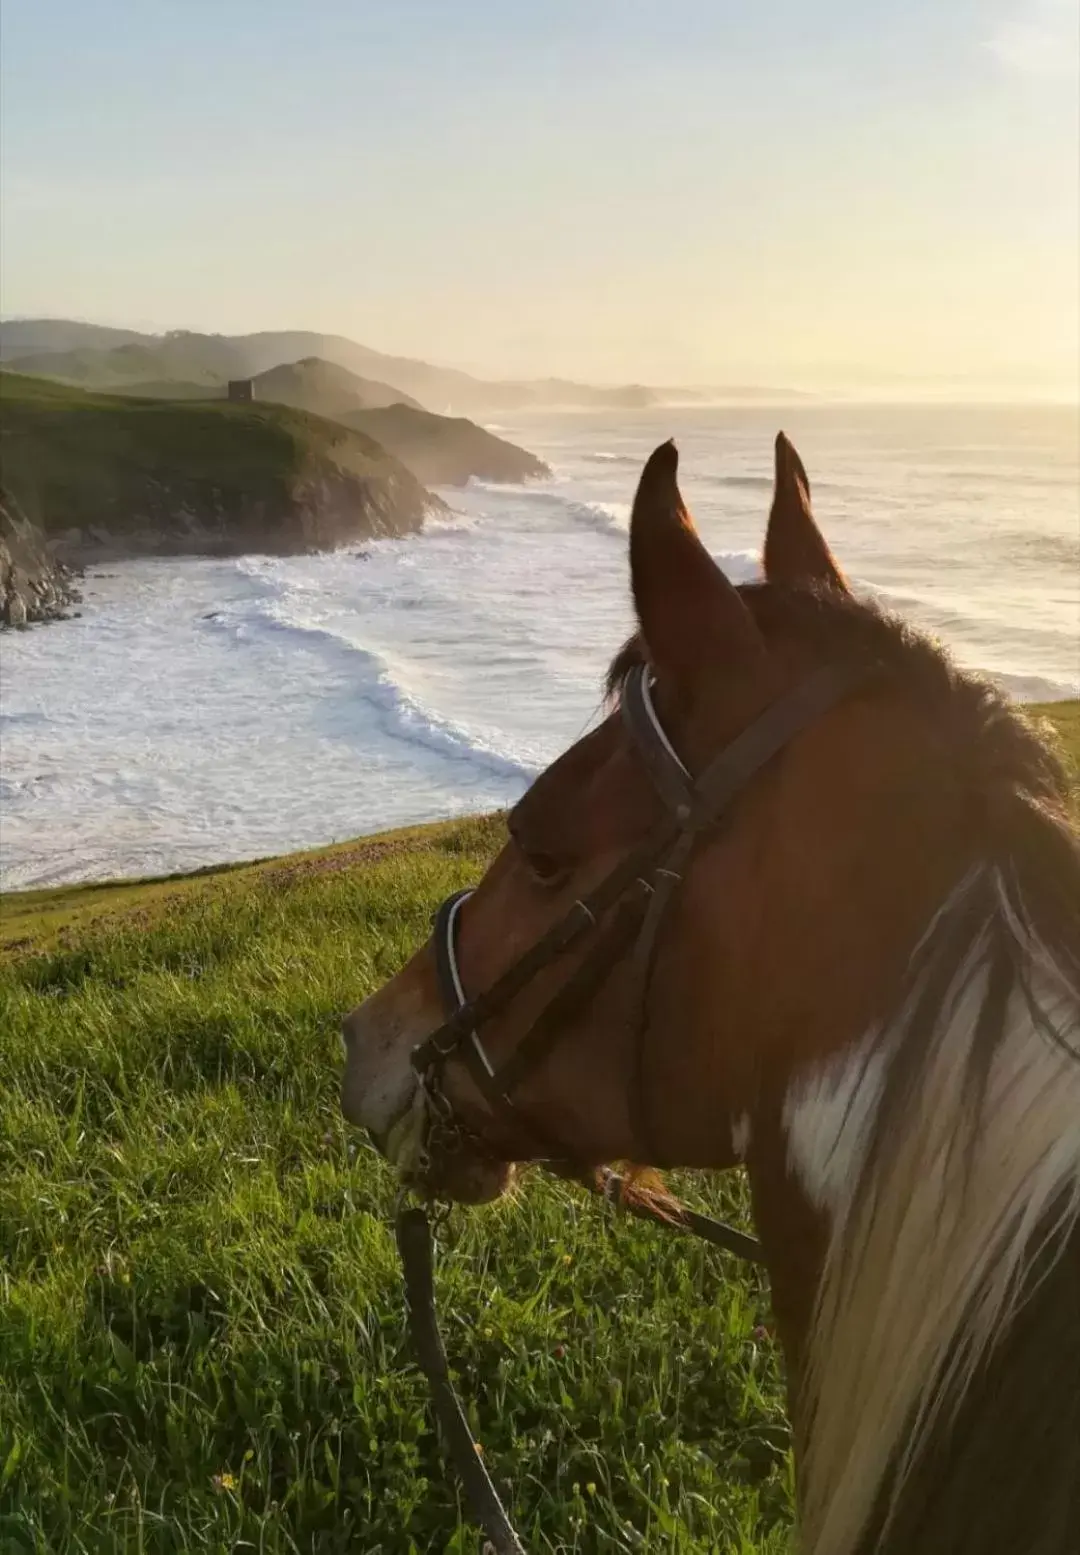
(34, 586)
(446, 450)
(104, 475)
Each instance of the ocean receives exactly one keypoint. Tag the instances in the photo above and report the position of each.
(202, 711)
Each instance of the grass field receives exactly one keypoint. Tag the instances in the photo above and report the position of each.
(202, 1342)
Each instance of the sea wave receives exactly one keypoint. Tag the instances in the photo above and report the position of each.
(990, 476)
(608, 517)
(1034, 688)
(739, 566)
(400, 714)
(751, 482)
(455, 523)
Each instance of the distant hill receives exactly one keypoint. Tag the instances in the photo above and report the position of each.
(325, 388)
(193, 358)
(127, 476)
(30, 337)
(445, 450)
(439, 450)
(207, 360)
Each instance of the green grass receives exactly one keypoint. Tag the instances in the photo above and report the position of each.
(73, 459)
(201, 1328)
(1065, 718)
(202, 1342)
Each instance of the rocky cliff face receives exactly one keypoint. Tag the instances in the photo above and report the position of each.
(324, 509)
(446, 450)
(34, 585)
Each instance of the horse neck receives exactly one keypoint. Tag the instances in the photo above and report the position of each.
(928, 1285)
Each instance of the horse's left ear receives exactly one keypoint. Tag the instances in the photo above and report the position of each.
(795, 548)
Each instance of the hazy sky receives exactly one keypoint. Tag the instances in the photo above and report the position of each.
(668, 190)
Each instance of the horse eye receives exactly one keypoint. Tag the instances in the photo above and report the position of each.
(546, 869)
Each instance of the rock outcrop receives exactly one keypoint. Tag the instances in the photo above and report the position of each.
(324, 509)
(34, 584)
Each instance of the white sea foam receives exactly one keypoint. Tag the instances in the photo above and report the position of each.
(609, 517)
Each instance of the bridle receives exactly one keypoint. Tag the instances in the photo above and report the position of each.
(625, 912)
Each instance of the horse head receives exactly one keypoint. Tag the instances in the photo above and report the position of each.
(806, 899)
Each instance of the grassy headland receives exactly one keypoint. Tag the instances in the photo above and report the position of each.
(302, 467)
(445, 450)
(145, 474)
(202, 1344)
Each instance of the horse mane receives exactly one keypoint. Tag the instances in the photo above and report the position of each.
(940, 1405)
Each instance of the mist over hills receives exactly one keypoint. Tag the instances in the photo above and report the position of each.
(96, 357)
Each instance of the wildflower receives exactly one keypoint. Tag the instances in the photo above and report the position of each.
(224, 1481)
(762, 1333)
(566, 1258)
(590, 1488)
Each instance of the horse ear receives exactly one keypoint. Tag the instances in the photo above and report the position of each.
(795, 548)
(687, 609)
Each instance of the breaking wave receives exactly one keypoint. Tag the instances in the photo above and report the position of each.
(398, 712)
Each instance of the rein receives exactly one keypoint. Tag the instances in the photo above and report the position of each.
(634, 897)
(415, 1241)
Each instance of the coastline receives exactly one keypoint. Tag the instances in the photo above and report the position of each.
(212, 708)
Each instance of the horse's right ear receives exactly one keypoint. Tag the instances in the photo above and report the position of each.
(688, 611)
(796, 551)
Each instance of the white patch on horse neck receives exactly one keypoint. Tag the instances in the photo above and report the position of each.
(923, 1274)
(828, 1114)
(740, 1135)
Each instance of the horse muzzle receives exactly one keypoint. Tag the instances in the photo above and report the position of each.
(382, 1094)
